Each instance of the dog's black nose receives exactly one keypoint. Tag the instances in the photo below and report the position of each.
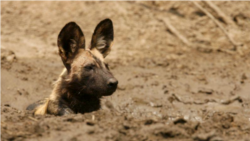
(112, 83)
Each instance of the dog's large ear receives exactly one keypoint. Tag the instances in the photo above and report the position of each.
(70, 39)
(102, 37)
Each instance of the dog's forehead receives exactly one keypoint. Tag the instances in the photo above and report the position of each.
(88, 56)
(97, 54)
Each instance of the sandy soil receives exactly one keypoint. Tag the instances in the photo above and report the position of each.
(167, 90)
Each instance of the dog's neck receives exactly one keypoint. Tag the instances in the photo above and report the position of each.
(83, 104)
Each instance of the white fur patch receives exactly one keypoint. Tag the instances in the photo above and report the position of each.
(42, 109)
(101, 43)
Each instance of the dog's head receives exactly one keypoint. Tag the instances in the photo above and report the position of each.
(88, 74)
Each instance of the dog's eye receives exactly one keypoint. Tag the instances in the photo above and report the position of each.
(107, 66)
(89, 67)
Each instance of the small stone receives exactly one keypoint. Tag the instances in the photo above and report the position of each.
(206, 91)
(180, 121)
(7, 105)
(90, 123)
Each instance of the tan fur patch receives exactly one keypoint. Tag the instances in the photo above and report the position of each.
(54, 95)
(97, 54)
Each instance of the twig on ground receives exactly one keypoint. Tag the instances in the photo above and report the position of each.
(32, 118)
(218, 11)
(218, 24)
(176, 32)
(167, 23)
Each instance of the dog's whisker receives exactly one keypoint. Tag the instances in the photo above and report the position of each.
(80, 91)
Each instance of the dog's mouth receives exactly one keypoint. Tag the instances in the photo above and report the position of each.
(109, 92)
(98, 93)
(89, 96)
(82, 92)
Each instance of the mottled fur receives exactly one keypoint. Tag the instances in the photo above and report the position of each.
(86, 77)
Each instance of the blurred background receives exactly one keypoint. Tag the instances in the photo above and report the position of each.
(183, 69)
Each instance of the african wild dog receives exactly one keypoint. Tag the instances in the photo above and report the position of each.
(86, 77)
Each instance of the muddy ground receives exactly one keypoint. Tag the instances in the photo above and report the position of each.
(168, 90)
